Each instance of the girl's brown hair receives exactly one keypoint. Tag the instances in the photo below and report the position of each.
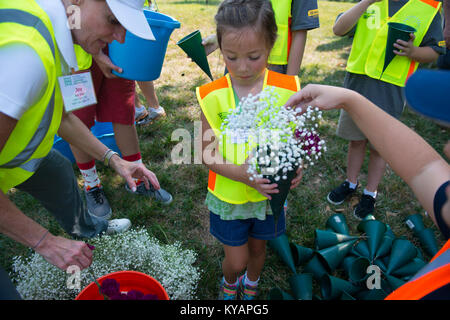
(247, 13)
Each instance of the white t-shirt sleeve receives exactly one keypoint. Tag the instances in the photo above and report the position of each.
(23, 79)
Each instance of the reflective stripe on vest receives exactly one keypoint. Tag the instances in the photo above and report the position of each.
(27, 19)
(433, 276)
(280, 51)
(369, 44)
(25, 22)
(216, 99)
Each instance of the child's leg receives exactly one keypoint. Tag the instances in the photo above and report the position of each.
(355, 159)
(235, 261)
(256, 258)
(376, 169)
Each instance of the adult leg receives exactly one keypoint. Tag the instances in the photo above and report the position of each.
(55, 186)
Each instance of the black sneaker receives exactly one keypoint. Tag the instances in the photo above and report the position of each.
(339, 194)
(365, 207)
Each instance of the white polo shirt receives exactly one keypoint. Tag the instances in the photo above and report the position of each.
(23, 78)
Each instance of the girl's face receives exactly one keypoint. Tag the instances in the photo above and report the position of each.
(245, 53)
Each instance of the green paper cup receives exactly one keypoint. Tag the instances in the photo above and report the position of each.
(333, 287)
(403, 251)
(301, 286)
(281, 246)
(394, 282)
(338, 223)
(325, 238)
(396, 31)
(333, 256)
(300, 254)
(192, 46)
(428, 241)
(278, 294)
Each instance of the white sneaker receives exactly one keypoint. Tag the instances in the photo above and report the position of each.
(140, 113)
(156, 113)
(118, 226)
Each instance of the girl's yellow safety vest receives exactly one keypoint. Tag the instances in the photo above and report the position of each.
(216, 99)
(32, 138)
(280, 51)
(369, 44)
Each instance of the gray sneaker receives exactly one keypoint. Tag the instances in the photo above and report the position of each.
(152, 114)
(160, 195)
(118, 226)
(97, 204)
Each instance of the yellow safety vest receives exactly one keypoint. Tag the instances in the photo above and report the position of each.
(84, 59)
(216, 99)
(369, 44)
(280, 51)
(32, 138)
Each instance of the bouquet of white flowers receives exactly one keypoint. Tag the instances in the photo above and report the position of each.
(280, 140)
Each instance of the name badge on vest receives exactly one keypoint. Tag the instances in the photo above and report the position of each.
(77, 91)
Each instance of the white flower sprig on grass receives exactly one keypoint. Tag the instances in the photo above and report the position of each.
(135, 250)
(280, 139)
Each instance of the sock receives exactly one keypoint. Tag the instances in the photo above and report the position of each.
(89, 173)
(250, 283)
(231, 284)
(136, 158)
(372, 194)
(351, 184)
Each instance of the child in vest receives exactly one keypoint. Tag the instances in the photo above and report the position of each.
(385, 89)
(240, 217)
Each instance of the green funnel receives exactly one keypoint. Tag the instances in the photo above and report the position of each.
(324, 238)
(356, 268)
(316, 267)
(374, 231)
(278, 294)
(395, 31)
(410, 268)
(338, 223)
(394, 282)
(403, 251)
(333, 287)
(334, 255)
(415, 222)
(428, 241)
(300, 254)
(301, 286)
(386, 243)
(192, 45)
(361, 249)
(281, 246)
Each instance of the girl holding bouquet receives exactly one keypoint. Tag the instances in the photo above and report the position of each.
(240, 217)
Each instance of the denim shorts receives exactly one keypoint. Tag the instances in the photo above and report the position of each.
(236, 232)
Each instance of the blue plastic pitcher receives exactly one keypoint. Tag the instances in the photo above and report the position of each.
(142, 59)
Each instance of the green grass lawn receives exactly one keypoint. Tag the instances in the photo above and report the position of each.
(186, 219)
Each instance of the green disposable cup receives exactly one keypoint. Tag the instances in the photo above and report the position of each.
(316, 267)
(415, 222)
(396, 31)
(403, 251)
(192, 46)
(428, 241)
(326, 238)
(332, 287)
(333, 256)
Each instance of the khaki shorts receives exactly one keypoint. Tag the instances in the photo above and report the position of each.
(347, 129)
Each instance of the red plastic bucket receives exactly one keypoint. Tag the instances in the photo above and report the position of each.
(128, 280)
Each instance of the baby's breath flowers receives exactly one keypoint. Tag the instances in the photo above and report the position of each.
(134, 249)
(280, 140)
